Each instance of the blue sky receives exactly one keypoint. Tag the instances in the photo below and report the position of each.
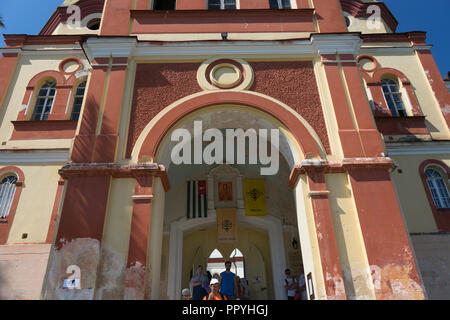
(413, 15)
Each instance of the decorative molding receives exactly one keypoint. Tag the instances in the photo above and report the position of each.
(330, 167)
(116, 171)
(115, 47)
(37, 156)
(142, 197)
(430, 148)
(349, 43)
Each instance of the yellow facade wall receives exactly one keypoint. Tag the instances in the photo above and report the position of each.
(29, 66)
(410, 65)
(36, 202)
(411, 192)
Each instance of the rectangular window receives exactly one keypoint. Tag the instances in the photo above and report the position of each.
(221, 4)
(280, 4)
(164, 4)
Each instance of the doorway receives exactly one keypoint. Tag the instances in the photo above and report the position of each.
(250, 257)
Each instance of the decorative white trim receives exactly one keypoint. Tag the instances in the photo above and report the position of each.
(39, 156)
(109, 47)
(10, 50)
(425, 47)
(68, 101)
(432, 148)
(336, 44)
(142, 197)
(318, 193)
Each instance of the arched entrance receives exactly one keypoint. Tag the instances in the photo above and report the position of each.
(280, 225)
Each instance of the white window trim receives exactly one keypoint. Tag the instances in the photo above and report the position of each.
(408, 104)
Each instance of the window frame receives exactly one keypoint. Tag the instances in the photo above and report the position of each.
(11, 193)
(75, 96)
(45, 99)
(222, 5)
(442, 177)
(395, 110)
(280, 5)
(154, 2)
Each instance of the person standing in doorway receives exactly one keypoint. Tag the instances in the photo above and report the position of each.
(290, 283)
(228, 283)
(199, 284)
(302, 285)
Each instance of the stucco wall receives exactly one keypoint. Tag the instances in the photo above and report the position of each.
(409, 64)
(22, 270)
(432, 253)
(35, 204)
(29, 66)
(411, 192)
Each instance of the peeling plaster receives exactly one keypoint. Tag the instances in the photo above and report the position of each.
(335, 283)
(134, 282)
(83, 253)
(446, 110)
(396, 283)
(111, 278)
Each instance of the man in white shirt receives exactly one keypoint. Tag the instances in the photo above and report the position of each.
(290, 283)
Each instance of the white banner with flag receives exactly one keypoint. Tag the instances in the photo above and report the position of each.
(196, 199)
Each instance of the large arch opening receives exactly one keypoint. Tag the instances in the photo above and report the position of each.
(264, 240)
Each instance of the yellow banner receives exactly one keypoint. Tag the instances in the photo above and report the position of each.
(226, 225)
(255, 197)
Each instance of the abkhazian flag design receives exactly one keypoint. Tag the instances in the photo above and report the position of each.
(196, 199)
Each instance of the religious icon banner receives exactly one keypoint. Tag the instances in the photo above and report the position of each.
(226, 225)
(255, 197)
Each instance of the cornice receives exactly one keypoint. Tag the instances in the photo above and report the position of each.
(34, 155)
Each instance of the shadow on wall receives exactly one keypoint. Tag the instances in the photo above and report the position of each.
(3, 280)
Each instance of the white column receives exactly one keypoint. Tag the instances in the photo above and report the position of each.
(156, 237)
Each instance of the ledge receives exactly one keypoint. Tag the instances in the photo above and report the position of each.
(115, 171)
(44, 129)
(401, 125)
(330, 167)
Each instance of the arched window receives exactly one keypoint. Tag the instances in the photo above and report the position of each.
(215, 263)
(221, 4)
(280, 4)
(393, 96)
(7, 190)
(438, 188)
(78, 101)
(237, 263)
(44, 101)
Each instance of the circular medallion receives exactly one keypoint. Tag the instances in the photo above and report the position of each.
(225, 74)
